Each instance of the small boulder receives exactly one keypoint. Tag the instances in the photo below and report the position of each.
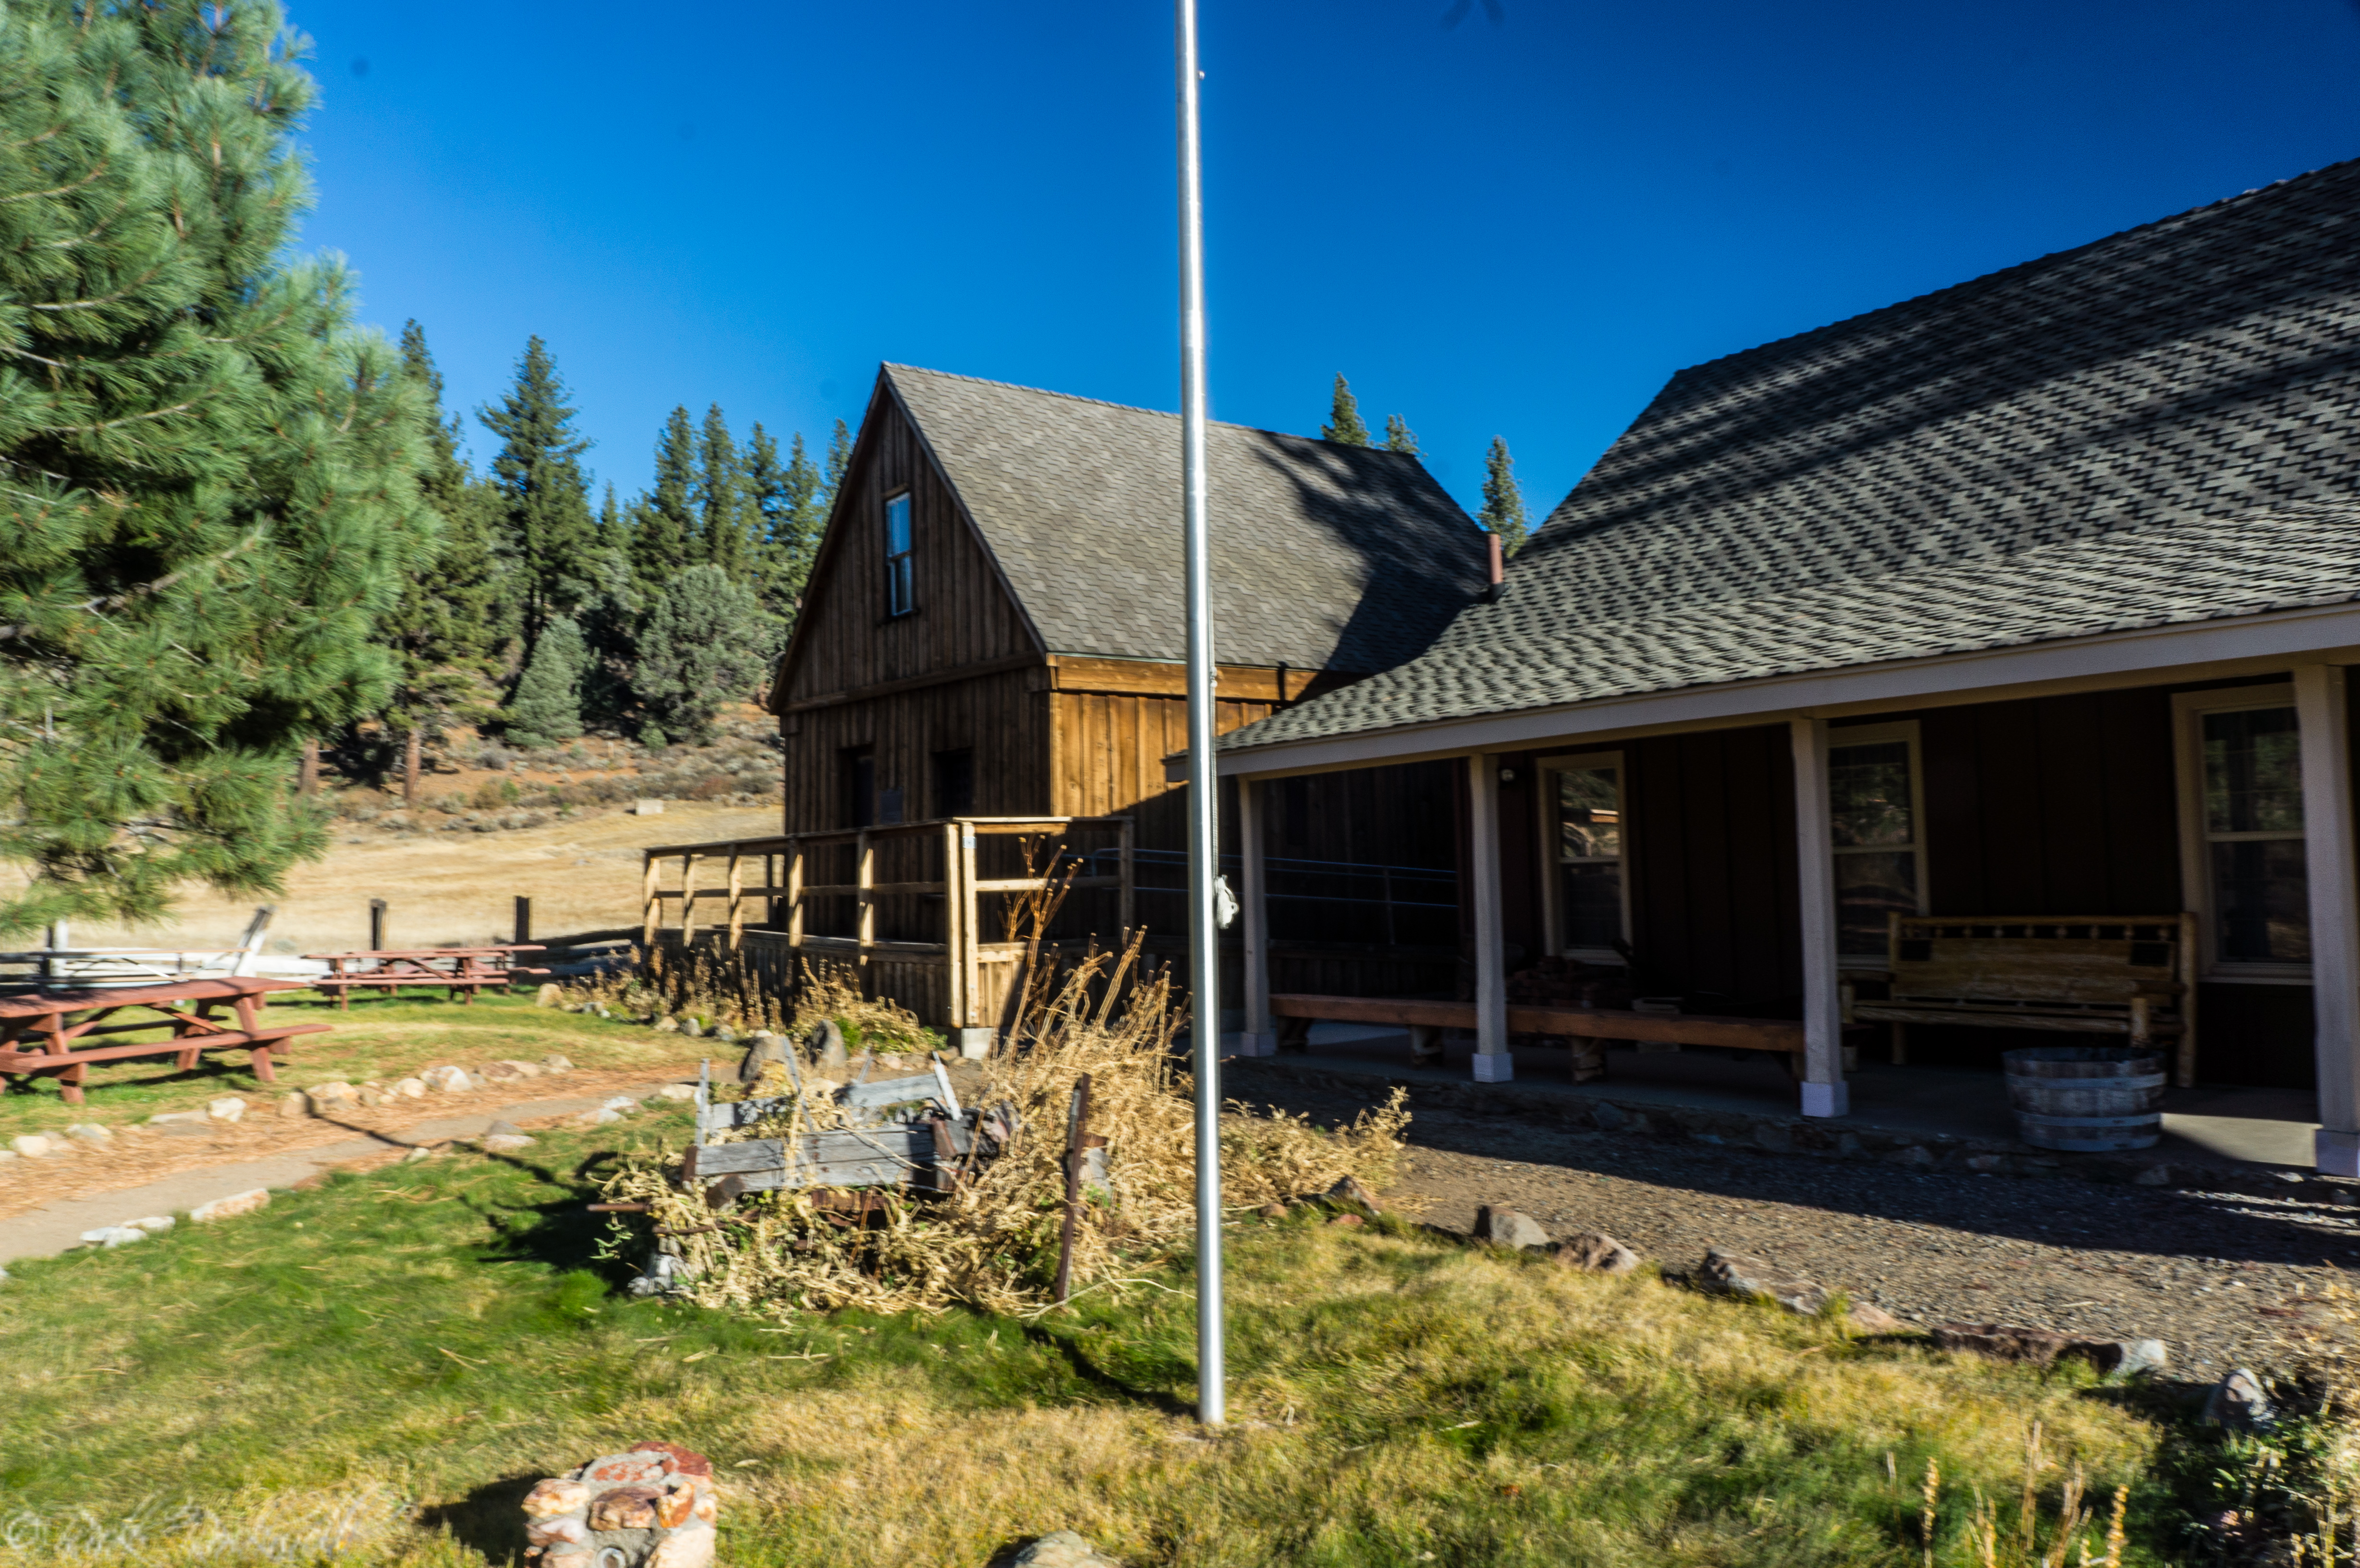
(1503, 1225)
(2241, 1403)
(1273, 1211)
(294, 1103)
(762, 1049)
(505, 1137)
(114, 1235)
(421, 1152)
(1060, 1549)
(2002, 1343)
(1352, 1192)
(154, 1224)
(1913, 1155)
(90, 1134)
(599, 1118)
(621, 1104)
(1735, 1274)
(409, 1088)
(2127, 1355)
(448, 1079)
(330, 1099)
(666, 1024)
(236, 1204)
(723, 1033)
(550, 995)
(1593, 1253)
(1867, 1317)
(32, 1146)
(553, 1062)
(373, 1095)
(678, 1092)
(225, 1108)
(179, 1118)
(827, 1044)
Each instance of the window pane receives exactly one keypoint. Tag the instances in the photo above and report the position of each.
(2252, 772)
(1593, 904)
(1590, 816)
(2263, 900)
(897, 526)
(1868, 795)
(1867, 888)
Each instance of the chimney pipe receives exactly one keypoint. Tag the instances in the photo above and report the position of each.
(1499, 563)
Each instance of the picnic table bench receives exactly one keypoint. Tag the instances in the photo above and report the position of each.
(465, 970)
(40, 1030)
(1426, 1020)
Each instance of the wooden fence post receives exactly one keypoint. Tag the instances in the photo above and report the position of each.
(687, 902)
(955, 935)
(1078, 1128)
(737, 899)
(650, 905)
(795, 894)
(376, 924)
(864, 880)
(523, 919)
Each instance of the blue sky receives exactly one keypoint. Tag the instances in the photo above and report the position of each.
(1517, 229)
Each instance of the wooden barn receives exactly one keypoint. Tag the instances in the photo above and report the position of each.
(1972, 672)
(993, 629)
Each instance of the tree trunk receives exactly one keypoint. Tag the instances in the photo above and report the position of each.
(411, 756)
(307, 774)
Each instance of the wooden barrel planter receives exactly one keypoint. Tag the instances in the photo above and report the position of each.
(2086, 1099)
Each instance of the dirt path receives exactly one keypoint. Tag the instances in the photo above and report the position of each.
(2215, 1275)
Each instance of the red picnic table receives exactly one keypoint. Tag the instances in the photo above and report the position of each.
(465, 970)
(39, 1029)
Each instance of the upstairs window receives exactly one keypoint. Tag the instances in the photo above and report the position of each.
(901, 583)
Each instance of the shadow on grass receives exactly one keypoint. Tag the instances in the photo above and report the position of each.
(1099, 1377)
(488, 1521)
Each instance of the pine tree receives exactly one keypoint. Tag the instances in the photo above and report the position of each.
(706, 642)
(208, 476)
(444, 631)
(547, 707)
(767, 509)
(661, 539)
(1343, 426)
(720, 497)
(839, 459)
(543, 499)
(804, 518)
(1503, 499)
(1399, 436)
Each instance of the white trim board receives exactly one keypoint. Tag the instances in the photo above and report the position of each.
(2200, 650)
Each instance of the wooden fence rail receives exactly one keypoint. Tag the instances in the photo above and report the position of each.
(959, 982)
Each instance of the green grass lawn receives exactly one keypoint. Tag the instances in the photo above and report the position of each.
(391, 1359)
(381, 1038)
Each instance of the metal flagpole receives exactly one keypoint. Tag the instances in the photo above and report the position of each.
(1204, 791)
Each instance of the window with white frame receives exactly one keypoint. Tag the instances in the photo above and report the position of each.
(2242, 831)
(1588, 895)
(901, 577)
(1876, 812)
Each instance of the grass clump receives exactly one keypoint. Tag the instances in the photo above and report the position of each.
(992, 1241)
(406, 1351)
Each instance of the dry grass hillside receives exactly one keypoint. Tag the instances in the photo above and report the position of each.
(494, 823)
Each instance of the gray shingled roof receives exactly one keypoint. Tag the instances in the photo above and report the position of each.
(1324, 556)
(2162, 426)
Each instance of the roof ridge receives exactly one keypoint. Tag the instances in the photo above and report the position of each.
(2012, 268)
(1124, 408)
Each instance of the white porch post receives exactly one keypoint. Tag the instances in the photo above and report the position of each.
(1492, 1062)
(2318, 701)
(1825, 1093)
(1260, 1037)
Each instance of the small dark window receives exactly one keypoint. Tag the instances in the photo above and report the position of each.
(859, 773)
(955, 782)
(889, 805)
(901, 586)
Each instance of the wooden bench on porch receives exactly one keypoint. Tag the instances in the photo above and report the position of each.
(1426, 1020)
(2079, 975)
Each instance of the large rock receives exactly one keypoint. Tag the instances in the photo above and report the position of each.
(503, 1137)
(225, 1108)
(677, 1092)
(1867, 1317)
(827, 1044)
(114, 1235)
(762, 1050)
(1060, 1549)
(32, 1146)
(653, 1507)
(2239, 1402)
(408, 1088)
(333, 1098)
(90, 1133)
(551, 995)
(508, 1071)
(1504, 1226)
(553, 1062)
(1352, 1192)
(1736, 1274)
(448, 1079)
(1593, 1253)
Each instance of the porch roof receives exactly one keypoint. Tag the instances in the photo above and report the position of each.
(2161, 426)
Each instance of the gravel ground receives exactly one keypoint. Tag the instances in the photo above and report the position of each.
(2214, 1275)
